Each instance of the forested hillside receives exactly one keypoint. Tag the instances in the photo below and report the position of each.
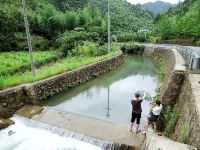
(62, 24)
(181, 24)
(125, 17)
(156, 7)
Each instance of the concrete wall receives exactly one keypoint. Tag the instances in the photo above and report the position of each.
(189, 104)
(14, 98)
(175, 74)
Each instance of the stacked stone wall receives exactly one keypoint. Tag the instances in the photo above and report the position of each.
(14, 98)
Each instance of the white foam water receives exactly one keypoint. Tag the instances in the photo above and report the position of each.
(21, 137)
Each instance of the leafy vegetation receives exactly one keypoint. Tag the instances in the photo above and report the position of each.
(183, 136)
(171, 116)
(133, 37)
(13, 60)
(48, 70)
(132, 48)
(162, 69)
(52, 21)
(181, 22)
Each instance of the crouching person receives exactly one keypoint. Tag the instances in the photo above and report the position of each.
(155, 113)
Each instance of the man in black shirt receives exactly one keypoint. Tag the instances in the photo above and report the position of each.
(136, 111)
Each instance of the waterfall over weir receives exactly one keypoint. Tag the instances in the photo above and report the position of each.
(28, 134)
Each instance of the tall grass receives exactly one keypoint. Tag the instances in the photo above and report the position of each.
(61, 66)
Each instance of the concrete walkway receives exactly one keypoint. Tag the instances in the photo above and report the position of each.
(88, 126)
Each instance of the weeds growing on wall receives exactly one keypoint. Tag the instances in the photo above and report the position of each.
(162, 69)
(171, 116)
(183, 130)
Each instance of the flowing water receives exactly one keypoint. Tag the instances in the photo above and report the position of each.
(27, 134)
(108, 97)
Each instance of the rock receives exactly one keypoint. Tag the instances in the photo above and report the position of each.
(4, 123)
(4, 104)
(5, 113)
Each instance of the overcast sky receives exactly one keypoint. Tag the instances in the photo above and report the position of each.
(146, 1)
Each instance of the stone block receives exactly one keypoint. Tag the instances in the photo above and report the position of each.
(4, 123)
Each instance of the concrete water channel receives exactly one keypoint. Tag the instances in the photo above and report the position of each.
(108, 97)
(97, 112)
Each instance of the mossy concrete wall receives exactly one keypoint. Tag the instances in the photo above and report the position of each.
(175, 74)
(14, 98)
(189, 105)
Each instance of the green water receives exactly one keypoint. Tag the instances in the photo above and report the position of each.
(109, 97)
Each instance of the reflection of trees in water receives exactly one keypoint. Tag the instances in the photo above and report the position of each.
(131, 66)
(136, 65)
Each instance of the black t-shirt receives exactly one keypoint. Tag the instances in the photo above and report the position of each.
(136, 106)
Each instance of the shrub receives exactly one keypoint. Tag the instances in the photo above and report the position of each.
(68, 40)
(40, 43)
(7, 30)
(132, 48)
(87, 49)
(171, 116)
(133, 37)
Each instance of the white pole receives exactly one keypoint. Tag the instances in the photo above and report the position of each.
(28, 37)
(109, 41)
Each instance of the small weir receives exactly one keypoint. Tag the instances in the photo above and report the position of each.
(18, 138)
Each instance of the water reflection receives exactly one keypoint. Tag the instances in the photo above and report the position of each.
(109, 96)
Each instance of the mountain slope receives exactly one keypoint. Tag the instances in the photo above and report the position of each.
(157, 7)
(48, 19)
(181, 23)
(125, 17)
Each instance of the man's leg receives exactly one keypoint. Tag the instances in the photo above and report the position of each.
(131, 128)
(154, 126)
(132, 121)
(137, 124)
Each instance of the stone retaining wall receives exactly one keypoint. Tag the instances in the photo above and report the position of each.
(14, 98)
(175, 75)
(184, 91)
(189, 104)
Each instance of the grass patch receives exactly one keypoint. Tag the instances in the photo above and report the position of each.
(61, 66)
(13, 60)
(162, 68)
(183, 133)
(171, 116)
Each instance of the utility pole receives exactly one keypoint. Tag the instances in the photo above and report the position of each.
(109, 41)
(28, 36)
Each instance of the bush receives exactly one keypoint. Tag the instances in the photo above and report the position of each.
(40, 43)
(132, 48)
(133, 37)
(7, 32)
(171, 116)
(68, 40)
(87, 49)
